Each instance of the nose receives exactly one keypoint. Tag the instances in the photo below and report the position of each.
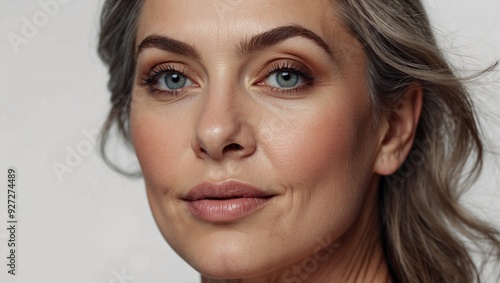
(223, 129)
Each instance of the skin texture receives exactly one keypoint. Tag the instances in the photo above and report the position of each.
(316, 149)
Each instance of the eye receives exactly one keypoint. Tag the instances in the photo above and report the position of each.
(166, 80)
(288, 76)
(171, 80)
(285, 79)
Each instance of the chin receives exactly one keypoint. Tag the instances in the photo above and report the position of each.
(229, 266)
(226, 258)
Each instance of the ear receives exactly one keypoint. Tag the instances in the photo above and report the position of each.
(398, 131)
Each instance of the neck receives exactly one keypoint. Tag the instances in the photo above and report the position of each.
(359, 257)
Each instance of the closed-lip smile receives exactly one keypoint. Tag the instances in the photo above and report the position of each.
(225, 201)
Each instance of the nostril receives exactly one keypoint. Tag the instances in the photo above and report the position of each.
(202, 150)
(233, 146)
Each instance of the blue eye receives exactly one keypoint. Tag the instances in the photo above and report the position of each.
(172, 81)
(285, 79)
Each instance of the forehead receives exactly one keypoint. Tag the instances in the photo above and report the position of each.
(233, 19)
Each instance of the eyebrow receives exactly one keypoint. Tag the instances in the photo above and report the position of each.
(257, 42)
(279, 34)
(168, 44)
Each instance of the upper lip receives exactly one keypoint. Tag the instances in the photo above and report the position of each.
(224, 190)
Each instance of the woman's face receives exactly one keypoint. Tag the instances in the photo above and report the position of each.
(233, 96)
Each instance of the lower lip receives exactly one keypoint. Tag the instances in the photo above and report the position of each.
(225, 210)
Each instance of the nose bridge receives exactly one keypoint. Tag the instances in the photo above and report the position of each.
(217, 117)
(222, 129)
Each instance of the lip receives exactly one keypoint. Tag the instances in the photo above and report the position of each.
(225, 201)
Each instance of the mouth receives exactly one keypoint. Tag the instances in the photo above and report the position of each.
(225, 202)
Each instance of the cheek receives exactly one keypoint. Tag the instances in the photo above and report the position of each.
(158, 140)
(320, 143)
(321, 156)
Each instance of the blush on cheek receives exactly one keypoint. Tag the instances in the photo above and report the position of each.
(324, 164)
(322, 143)
(156, 150)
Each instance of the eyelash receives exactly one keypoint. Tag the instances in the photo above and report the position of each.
(291, 67)
(150, 79)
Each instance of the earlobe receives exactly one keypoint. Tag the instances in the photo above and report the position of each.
(399, 131)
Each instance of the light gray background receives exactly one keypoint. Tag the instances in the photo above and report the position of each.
(93, 225)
